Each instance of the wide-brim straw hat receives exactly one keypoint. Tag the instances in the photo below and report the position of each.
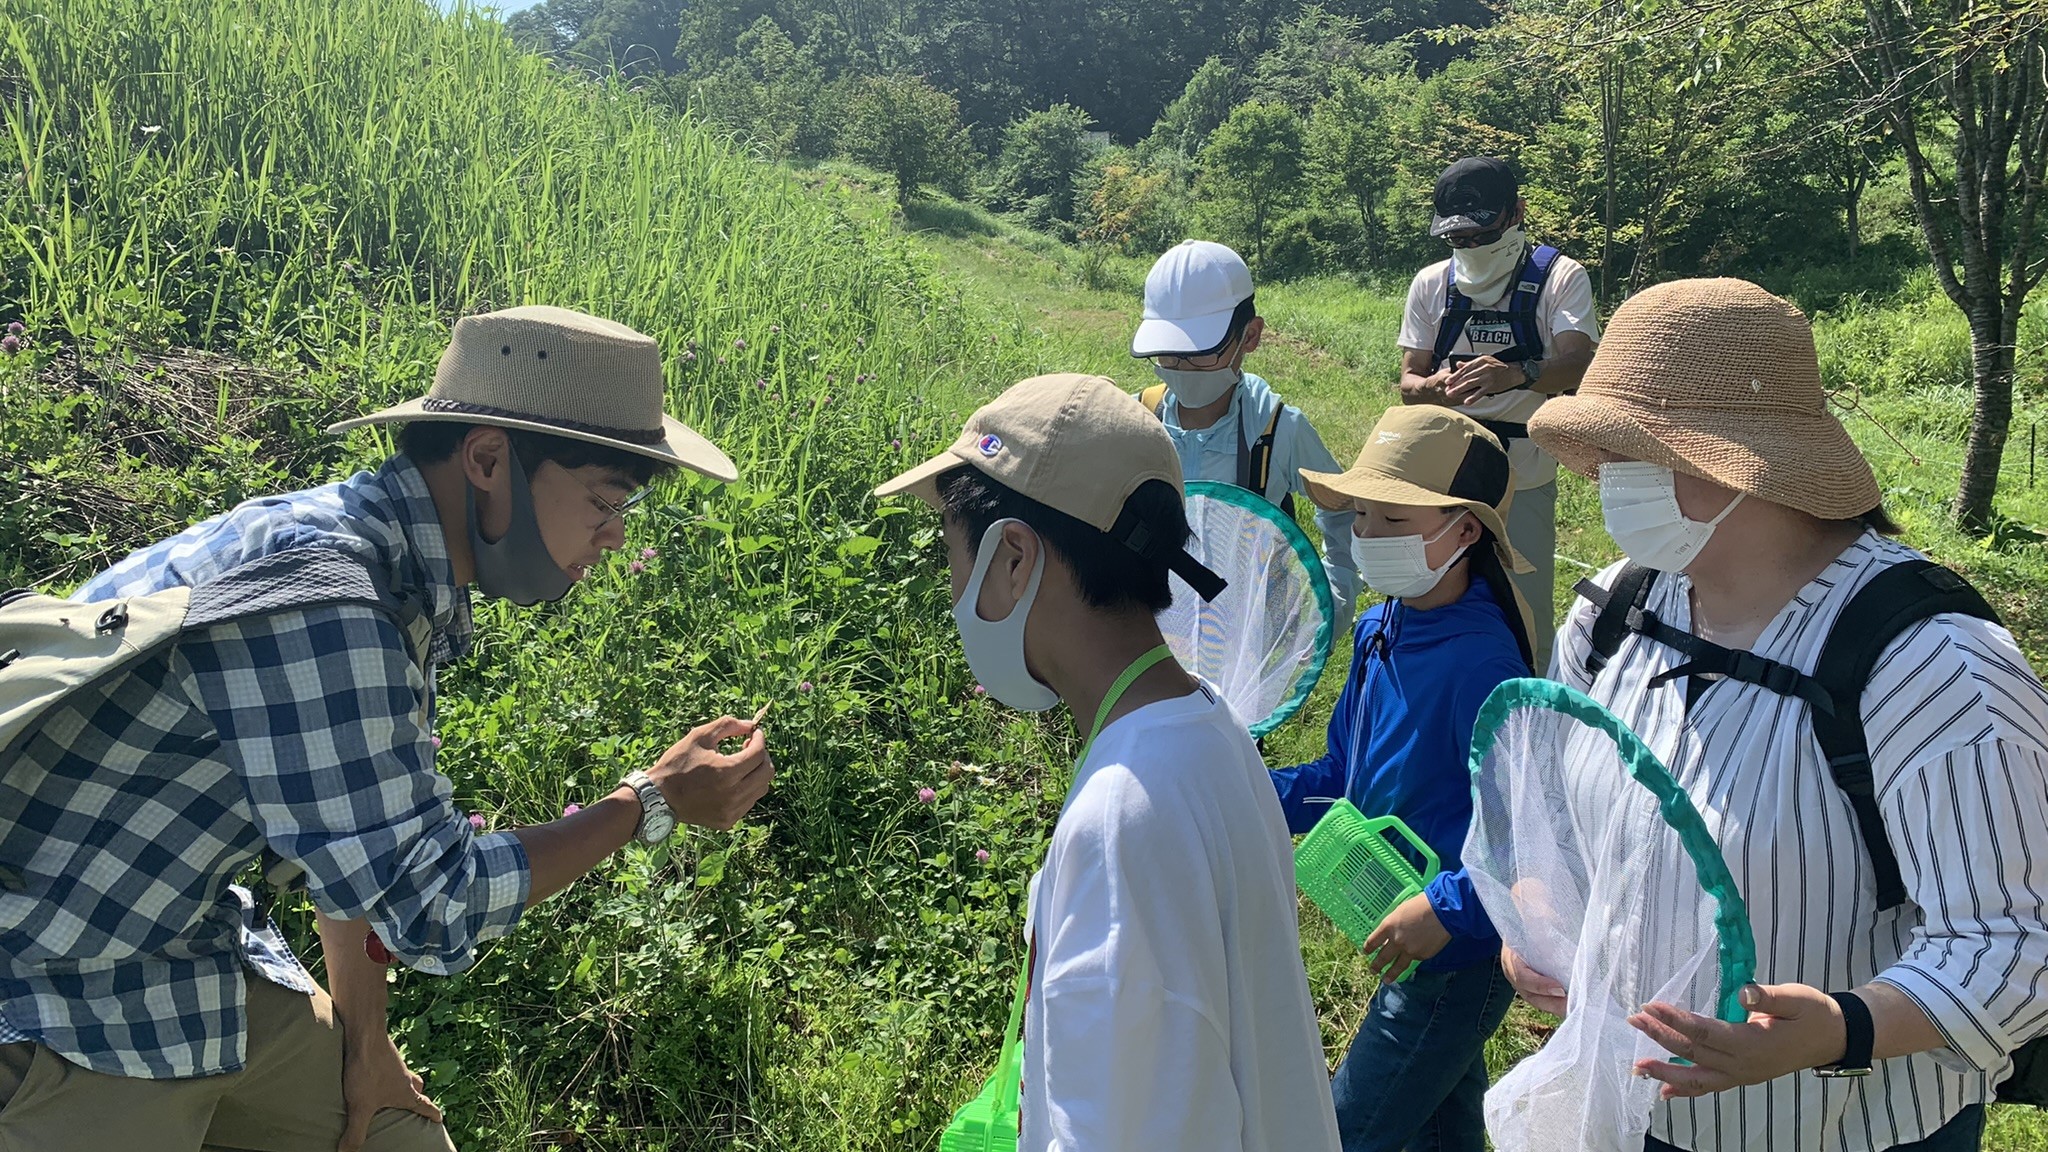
(1429, 457)
(1717, 379)
(563, 373)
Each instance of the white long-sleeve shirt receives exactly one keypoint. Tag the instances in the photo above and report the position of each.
(1169, 1007)
(1958, 731)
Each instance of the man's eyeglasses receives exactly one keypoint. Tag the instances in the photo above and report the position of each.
(1200, 363)
(1477, 239)
(614, 511)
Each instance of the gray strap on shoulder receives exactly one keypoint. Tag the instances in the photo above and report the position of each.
(295, 579)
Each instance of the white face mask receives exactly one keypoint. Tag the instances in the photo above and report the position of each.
(995, 648)
(1198, 389)
(1483, 273)
(1640, 504)
(1397, 567)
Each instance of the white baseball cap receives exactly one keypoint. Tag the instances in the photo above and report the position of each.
(1190, 295)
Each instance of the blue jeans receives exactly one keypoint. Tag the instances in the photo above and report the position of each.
(1415, 1077)
(1963, 1133)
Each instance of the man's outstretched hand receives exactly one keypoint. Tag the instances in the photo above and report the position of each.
(710, 788)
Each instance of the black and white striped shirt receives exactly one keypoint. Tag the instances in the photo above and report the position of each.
(1958, 729)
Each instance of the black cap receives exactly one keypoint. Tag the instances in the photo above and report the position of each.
(1474, 193)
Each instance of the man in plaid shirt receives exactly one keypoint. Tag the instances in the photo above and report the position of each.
(303, 740)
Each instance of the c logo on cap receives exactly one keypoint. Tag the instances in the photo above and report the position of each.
(990, 444)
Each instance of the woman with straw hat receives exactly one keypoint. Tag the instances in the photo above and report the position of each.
(1432, 491)
(1897, 892)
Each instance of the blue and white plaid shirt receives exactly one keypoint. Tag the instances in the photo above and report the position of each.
(305, 735)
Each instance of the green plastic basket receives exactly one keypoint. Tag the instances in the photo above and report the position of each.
(1355, 873)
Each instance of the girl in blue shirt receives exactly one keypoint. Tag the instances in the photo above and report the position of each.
(1432, 490)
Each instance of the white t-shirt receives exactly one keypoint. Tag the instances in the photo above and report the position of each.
(1169, 1006)
(1565, 305)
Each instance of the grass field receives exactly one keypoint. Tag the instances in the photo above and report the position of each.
(1331, 350)
(229, 222)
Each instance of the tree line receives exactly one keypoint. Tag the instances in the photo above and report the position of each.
(1736, 137)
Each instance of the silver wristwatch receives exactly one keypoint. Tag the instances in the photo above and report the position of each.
(656, 820)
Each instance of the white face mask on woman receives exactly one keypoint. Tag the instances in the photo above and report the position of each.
(1397, 567)
(1640, 504)
(1483, 273)
(995, 648)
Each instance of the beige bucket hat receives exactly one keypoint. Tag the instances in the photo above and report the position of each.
(560, 372)
(1431, 457)
(1076, 444)
(1718, 379)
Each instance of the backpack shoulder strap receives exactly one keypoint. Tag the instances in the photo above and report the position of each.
(1521, 303)
(1631, 590)
(1260, 467)
(1154, 399)
(51, 648)
(1895, 599)
(1457, 313)
(292, 580)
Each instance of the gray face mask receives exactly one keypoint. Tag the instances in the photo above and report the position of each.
(518, 567)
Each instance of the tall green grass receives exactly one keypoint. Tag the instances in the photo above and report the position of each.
(313, 192)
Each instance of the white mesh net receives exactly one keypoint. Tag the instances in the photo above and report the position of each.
(1574, 860)
(1263, 642)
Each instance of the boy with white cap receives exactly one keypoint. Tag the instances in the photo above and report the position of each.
(1201, 321)
(1167, 1002)
(286, 714)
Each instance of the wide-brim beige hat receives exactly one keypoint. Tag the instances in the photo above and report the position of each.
(562, 373)
(1717, 379)
(1428, 456)
(1077, 444)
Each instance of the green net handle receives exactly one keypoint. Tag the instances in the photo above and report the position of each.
(1737, 944)
(1379, 826)
(1009, 1070)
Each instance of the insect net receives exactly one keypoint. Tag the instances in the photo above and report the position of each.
(1597, 870)
(1264, 641)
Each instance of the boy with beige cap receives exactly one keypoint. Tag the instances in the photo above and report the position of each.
(1167, 1002)
(1885, 816)
(148, 1002)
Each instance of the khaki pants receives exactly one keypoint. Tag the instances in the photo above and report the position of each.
(286, 1098)
(1532, 529)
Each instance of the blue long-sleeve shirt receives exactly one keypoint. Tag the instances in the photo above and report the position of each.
(1400, 738)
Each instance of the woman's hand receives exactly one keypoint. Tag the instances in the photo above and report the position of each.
(1791, 1028)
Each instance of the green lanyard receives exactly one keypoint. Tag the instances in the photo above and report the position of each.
(1139, 667)
(1006, 1079)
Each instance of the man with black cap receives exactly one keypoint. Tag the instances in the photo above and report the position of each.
(1494, 331)
(260, 687)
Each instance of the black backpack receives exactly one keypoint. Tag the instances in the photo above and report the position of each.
(1896, 599)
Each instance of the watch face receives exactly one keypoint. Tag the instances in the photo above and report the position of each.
(656, 825)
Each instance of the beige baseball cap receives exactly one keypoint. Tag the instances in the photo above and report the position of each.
(1076, 444)
(1430, 457)
(560, 372)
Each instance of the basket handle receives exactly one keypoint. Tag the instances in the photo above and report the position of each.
(1008, 1066)
(1383, 823)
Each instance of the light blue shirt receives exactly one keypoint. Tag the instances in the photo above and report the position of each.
(1211, 454)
